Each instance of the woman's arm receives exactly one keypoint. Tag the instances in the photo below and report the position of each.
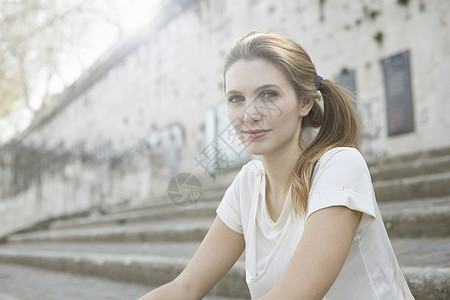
(319, 256)
(215, 256)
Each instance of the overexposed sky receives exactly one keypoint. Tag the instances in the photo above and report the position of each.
(135, 14)
(132, 16)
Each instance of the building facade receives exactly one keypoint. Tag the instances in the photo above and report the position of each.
(156, 101)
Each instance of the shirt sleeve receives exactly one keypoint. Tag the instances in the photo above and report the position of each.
(343, 179)
(229, 207)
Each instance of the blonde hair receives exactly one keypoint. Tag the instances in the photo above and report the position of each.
(338, 121)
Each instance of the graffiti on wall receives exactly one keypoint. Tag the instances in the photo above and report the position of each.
(22, 165)
(370, 111)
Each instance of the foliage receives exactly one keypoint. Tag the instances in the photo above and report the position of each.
(36, 39)
(378, 37)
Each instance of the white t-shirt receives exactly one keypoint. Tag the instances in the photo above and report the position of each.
(340, 177)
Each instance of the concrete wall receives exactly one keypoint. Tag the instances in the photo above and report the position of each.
(155, 89)
(175, 74)
(41, 184)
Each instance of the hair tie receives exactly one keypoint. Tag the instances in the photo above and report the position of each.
(319, 79)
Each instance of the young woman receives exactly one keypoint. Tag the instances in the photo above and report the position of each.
(305, 213)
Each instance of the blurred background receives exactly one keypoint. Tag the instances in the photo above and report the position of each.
(115, 147)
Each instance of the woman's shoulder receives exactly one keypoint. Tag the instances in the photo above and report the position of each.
(342, 153)
(347, 157)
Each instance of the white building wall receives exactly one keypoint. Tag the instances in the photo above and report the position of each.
(175, 74)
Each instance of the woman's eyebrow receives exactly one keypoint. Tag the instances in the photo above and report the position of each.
(266, 86)
(257, 90)
(233, 92)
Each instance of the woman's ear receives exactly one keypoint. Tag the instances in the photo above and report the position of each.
(306, 105)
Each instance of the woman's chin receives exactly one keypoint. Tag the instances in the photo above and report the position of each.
(255, 150)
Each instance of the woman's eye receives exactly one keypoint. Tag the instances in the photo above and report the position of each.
(270, 95)
(235, 99)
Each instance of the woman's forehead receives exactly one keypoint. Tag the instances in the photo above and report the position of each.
(245, 74)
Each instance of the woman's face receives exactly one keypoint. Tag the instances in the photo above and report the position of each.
(261, 99)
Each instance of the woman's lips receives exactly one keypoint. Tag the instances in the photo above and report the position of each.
(256, 134)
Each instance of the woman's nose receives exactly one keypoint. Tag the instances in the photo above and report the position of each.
(252, 112)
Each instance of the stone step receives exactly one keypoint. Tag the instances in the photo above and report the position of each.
(25, 283)
(416, 218)
(198, 210)
(408, 158)
(167, 230)
(19, 282)
(422, 252)
(417, 252)
(427, 186)
(425, 263)
(211, 194)
(406, 169)
(4, 296)
(167, 249)
(428, 283)
(134, 268)
(410, 187)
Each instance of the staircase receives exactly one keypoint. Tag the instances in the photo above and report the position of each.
(413, 193)
(133, 249)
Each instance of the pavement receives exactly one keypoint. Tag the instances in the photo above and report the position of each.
(29, 283)
(19, 282)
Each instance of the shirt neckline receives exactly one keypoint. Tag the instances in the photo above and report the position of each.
(282, 218)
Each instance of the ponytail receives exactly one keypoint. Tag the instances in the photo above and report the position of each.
(339, 127)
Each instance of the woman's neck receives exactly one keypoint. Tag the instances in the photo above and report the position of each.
(278, 168)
